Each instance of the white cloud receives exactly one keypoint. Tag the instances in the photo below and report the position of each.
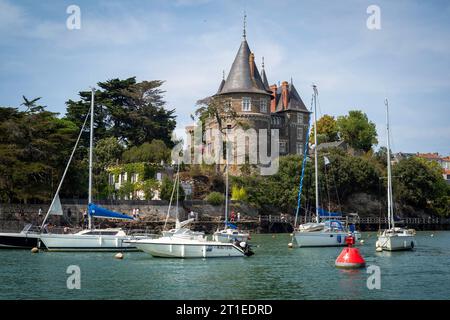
(11, 16)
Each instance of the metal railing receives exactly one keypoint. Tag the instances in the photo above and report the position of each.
(350, 219)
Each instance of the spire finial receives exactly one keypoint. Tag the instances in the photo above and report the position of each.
(292, 82)
(245, 25)
(263, 62)
(223, 74)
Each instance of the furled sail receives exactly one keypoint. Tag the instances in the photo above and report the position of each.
(56, 208)
(232, 226)
(325, 213)
(99, 212)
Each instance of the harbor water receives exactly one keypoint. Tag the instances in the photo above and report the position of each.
(274, 272)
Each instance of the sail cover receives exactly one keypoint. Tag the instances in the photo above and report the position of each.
(56, 208)
(232, 226)
(97, 211)
(325, 213)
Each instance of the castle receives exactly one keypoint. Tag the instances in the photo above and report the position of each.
(247, 92)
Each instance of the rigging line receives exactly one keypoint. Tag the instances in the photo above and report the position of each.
(171, 197)
(320, 108)
(65, 171)
(308, 198)
(305, 154)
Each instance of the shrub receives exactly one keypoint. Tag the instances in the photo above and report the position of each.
(215, 198)
(238, 194)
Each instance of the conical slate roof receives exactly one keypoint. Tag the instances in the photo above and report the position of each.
(264, 80)
(240, 78)
(222, 83)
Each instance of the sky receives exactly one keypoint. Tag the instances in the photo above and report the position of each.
(188, 44)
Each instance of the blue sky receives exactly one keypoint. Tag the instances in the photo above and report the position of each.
(188, 43)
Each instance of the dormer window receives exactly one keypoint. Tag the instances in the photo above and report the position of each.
(246, 104)
(263, 106)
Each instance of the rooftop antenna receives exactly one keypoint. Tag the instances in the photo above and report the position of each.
(245, 26)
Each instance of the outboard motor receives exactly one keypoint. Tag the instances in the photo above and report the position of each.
(246, 247)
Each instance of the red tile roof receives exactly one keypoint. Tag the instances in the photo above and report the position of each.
(430, 156)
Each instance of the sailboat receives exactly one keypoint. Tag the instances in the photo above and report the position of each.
(231, 232)
(110, 239)
(182, 242)
(26, 239)
(393, 238)
(327, 230)
(179, 229)
(29, 236)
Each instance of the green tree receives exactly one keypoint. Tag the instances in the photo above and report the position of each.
(153, 152)
(133, 112)
(327, 130)
(107, 152)
(31, 105)
(419, 183)
(34, 148)
(150, 186)
(166, 190)
(357, 130)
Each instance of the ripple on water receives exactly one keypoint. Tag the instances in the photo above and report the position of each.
(274, 272)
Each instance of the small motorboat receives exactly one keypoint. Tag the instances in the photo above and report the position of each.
(184, 244)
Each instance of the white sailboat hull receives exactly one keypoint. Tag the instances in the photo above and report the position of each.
(74, 242)
(230, 235)
(242, 237)
(170, 248)
(321, 238)
(396, 242)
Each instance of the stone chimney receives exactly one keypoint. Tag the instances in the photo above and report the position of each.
(285, 93)
(251, 61)
(273, 101)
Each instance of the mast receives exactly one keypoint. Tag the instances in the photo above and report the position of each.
(171, 198)
(389, 178)
(91, 147)
(226, 180)
(177, 181)
(316, 173)
(300, 188)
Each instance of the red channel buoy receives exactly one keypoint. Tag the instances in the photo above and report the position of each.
(350, 258)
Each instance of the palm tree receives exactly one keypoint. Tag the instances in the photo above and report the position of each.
(31, 105)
